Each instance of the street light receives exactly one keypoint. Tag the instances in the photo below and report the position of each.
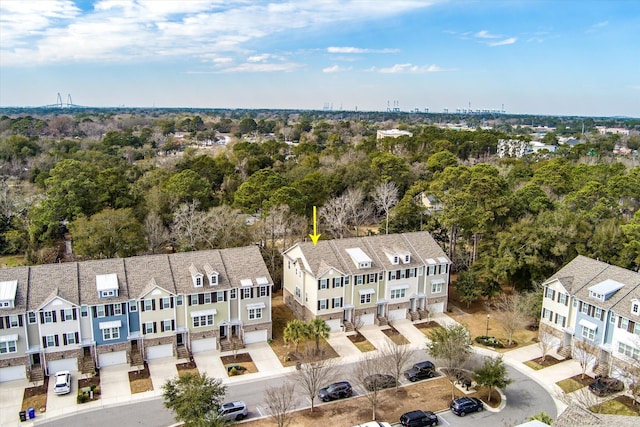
(488, 317)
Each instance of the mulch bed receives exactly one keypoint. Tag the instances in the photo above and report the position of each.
(238, 358)
(395, 336)
(140, 380)
(187, 367)
(358, 337)
(36, 397)
(548, 361)
(427, 325)
(629, 403)
(585, 382)
(89, 382)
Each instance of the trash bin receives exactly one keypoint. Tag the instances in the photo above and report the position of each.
(23, 415)
(32, 413)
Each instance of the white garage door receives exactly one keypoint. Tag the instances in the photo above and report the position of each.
(12, 373)
(334, 324)
(112, 358)
(364, 319)
(255, 336)
(398, 314)
(206, 344)
(63, 365)
(159, 351)
(436, 308)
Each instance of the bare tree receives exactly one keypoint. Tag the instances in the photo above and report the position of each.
(225, 228)
(189, 226)
(546, 341)
(156, 234)
(368, 366)
(585, 354)
(509, 310)
(395, 359)
(312, 376)
(628, 369)
(385, 196)
(280, 400)
(358, 211)
(335, 216)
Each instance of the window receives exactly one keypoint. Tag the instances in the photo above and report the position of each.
(165, 303)
(420, 271)
(628, 351)
(407, 258)
(635, 307)
(323, 304)
(67, 314)
(232, 294)
(220, 296)
(624, 323)
(207, 298)
(48, 317)
(337, 302)
(70, 338)
(5, 304)
(373, 277)
(256, 313)
(114, 333)
(100, 312)
(397, 293)
(149, 327)
(396, 260)
(323, 284)
(31, 317)
(547, 314)
(117, 309)
(392, 275)
(588, 333)
(213, 279)
(297, 292)
(8, 347)
(359, 279)
(263, 291)
(337, 282)
(148, 304)
(412, 272)
(562, 298)
(198, 281)
(549, 293)
(199, 321)
(246, 293)
(561, 320)
(194, 299)
(50, 341)
(364, 299)
(133, 306)
(178, 300)
(167, 325)
(585, 308)
(597, 313)
(436, 288)
(14, 322)
(346, 280)
(108, 293)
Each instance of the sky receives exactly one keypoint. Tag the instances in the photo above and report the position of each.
(560, 57)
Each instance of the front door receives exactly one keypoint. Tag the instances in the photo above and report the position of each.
(348, 314)
(180, 339)
(223, 331)
(235, 330)
(382, 310)
(35, 359)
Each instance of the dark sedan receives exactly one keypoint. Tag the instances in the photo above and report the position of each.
(379, 382)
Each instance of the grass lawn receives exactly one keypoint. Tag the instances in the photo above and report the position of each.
(36, 397)
(538, 364)
(187, 368)
(9, 261)
(140, 380)
(613, 407)
(361, 342)
(574, 383)
(395, 336)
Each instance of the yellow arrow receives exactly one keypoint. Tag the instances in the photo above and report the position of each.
(315, 236)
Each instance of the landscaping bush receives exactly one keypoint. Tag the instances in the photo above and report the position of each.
(489, 341)
(82, 397)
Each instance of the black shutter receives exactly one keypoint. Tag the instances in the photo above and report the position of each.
(318, 283)
(173, 325)
(55, 337)
(64, 339)
(44, 342)
(142, 306)
(241, 293)
(318, 305)
(62, 316)
(171, 299)
(77, 340)
(200, 299)
(189, 298)
(161, 326)
(153, 304)
(144, 329)
(20, 322)
(1, 322)
(74, 311)
(53, 313)
(252, 292)
(155, 327)
(333, 303)
(41, 317)
(95, 311)
(268, 290)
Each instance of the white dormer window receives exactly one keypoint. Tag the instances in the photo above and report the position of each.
(406, 259)
(635, 307)
(359, 258)
(197, 280)
(107, 285)
(596, 295)
(396, 260)
(8, 292)
(213, 279)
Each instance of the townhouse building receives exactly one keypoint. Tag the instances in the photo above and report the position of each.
(366, 280)
(598, 304)
(83, 315)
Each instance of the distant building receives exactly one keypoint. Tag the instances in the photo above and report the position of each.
(512, 148)
(392, 133)
(603, 130)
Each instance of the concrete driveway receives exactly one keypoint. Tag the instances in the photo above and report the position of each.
(114, 384)
(161, 370)
(11, 393)
(209, 362)
(59, 405)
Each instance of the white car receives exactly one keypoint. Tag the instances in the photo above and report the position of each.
(63, 382)
(374, 424)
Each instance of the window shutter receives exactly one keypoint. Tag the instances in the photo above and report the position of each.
(173, 325)
(241, 293)
(161, 326)
(251, 292)
(41, 317)
(55, 337)
(189, 300)
(155, 327)
(318, 283)
(53, 313)
(44, 342)
(64, 339)
(171, 299)
(200, 299)
(94, 309)
(75, 313)
(144, 329)
(318, 305)
(62, 316)
(153, 304)
(20, 322)
(1, 322)
(333, 303)
(142, 306)
(268, 290)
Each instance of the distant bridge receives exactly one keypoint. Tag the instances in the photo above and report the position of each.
(60, 104)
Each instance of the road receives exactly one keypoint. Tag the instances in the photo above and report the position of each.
(525, 397)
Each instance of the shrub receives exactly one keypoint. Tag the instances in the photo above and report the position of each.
(489, 341)
(82, 398)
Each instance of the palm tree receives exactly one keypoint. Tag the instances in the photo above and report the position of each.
(295, 331)
(318, 328)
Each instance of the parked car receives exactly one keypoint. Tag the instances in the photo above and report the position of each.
(604, 386)
(62, 383)
(463, 405)
(334, 391)
(420, 371)
(374, 424)
(379, 381)
(233, 410)
(418, 419)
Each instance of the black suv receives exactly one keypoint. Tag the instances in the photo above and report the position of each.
(379, 382)
(418, 419)
(463, 405)
(603, 386)
(420, 371)
(335, 391)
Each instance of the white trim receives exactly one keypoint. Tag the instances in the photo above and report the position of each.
(367, 291)
(257, 305)
(109, 325)
(443, 260)
(395, 287)
(262, 281)
(8, 290)
(587, 324)
(246, 282)
(201, 313)
(107, 282)
(438, 282)
(8, 338)
(431, 261)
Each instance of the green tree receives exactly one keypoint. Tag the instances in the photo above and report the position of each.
(258, 188)
(492, 374)
(296, 331)
(247, 125)
(452, 345)
(194, 398)
(467, 287)
(542, 417)
(441, 160)
(187, 186)
(108, 234)
(318, 328)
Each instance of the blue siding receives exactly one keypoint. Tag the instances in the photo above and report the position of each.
(134, 321)
(97, 332)
(610, 328)
(600, 330)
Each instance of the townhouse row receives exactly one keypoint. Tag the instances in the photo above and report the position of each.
(599, 304)
(82, 315)
(367, 280)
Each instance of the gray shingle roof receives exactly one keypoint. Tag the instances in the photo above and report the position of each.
(575, 415)
(21, 274)
(43, 279)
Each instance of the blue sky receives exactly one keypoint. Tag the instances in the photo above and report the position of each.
(566, 57)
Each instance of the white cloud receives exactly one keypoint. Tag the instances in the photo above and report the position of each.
(348, 49)
(408, 68)
(335, 69)
(261, 68)
(484, 34)
(510, 40)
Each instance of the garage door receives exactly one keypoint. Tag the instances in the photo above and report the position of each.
(12, 373)
(255, 336)
(436, 308)
(334, 324)
(206, 344)
(112, 358)
(63, 365)
(398, 314)
(159, 351)
(364, 319)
